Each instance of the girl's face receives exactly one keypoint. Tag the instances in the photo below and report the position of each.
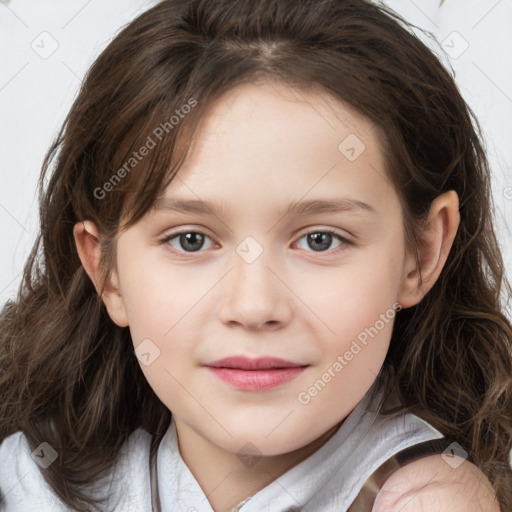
(249, 281)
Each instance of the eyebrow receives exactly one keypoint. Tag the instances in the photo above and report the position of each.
(314, 206)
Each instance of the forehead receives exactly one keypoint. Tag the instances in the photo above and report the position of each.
(280, 108)
(274, 135)
(268, 143)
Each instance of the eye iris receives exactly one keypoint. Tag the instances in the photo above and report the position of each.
(193, 241)
(188, 239)
(322, 239)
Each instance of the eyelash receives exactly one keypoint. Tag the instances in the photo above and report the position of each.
(342, 239)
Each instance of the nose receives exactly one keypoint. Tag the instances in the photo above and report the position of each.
(254, 295)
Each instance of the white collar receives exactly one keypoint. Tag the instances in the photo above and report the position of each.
(179, 488)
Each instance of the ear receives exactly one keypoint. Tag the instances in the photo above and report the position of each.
(433, 248)
(87, 242)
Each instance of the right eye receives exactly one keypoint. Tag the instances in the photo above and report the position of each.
(190, 241)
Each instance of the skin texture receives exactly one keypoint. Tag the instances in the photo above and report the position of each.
(259, 148)
(434, 484)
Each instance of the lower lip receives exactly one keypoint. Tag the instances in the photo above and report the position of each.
(256, 380)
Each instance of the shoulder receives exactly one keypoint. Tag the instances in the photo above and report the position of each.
(24, 489)
(20, 478)
(436, 483)
(15, 455)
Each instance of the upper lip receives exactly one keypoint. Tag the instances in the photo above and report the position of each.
(245, 363)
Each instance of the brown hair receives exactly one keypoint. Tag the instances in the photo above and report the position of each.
(69, 375)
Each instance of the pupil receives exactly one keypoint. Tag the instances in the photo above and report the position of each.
(316, 239)
(191, 239)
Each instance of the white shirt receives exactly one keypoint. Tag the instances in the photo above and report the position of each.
(328, 480)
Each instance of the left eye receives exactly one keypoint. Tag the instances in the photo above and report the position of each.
(193, 241)
(322, 239)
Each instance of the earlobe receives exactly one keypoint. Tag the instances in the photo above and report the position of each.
(87, 241)
(434, 246)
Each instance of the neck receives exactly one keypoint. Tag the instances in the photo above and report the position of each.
(225, 479)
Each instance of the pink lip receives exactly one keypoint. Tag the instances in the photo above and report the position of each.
(255, 374)
(261, 363)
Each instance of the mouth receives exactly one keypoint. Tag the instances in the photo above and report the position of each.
(247, 364)
(255, 374)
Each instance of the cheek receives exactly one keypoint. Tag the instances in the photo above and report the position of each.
(157, 313)
(162, 303)
(156, 294)
(355, 295)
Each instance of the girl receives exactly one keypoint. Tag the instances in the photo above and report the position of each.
(267, 277)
